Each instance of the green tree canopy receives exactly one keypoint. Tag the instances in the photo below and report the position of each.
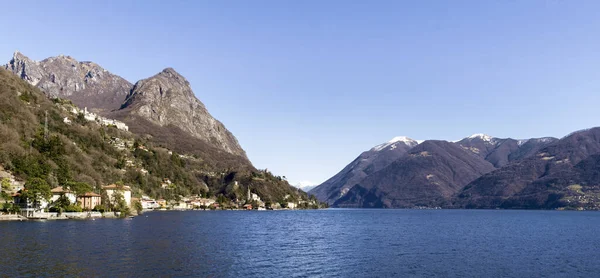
(6, 186)
(79, 187)
(119, 204)
(36, 190)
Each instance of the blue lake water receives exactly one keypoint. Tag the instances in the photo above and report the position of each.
(324, 243)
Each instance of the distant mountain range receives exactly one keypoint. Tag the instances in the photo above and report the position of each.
(479, 171)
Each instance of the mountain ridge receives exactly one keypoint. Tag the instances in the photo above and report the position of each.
(85, 83)
(153, 107)
(498, 152)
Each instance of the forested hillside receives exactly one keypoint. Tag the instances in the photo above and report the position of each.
(42, 138)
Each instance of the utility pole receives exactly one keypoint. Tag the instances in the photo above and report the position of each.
(46, 127)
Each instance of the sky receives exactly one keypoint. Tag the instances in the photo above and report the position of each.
(306, 86)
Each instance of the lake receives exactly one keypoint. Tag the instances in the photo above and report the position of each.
(323, 243)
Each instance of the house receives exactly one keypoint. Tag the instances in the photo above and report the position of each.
(248, 206)
(89, 200)
(124, 190)
(27, 205)
(166, 184)
(180, 205)
(60, 191)
(252, 196)
(149, 203)
(162, 203)
(291, 205)
(206, 202)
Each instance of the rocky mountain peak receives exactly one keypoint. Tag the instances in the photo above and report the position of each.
(25, 68)
(172, 73)
(163, 100)
(167, 99)
(18, 56)
(167, 84)
(84, 83)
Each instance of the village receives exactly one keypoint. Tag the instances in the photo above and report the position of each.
(114, 201)
(77, 200)
(252, 202)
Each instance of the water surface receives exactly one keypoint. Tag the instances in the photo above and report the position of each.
(324, 243)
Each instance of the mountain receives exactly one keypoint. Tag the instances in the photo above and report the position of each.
(85, 83)
(499, 151)
(49, 139)
(386, 176)
(365, 164)
(166, 99)
(305, 186)
(428, 175)
(161, 108)
(562, 174)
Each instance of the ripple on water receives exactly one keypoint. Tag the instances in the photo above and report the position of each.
(330, 243)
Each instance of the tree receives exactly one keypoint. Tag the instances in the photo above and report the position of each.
(138, 207)
(106, 204)
(14, 209)
(61, 204)
(119, 204)
(6, 187)
(79, 187)
(221, 199)
(80, 119)
(36, 190)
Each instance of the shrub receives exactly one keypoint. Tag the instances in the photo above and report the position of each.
(99, 208)
(73, 208)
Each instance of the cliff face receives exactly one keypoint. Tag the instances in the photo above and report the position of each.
(166, 99)
(85, 83)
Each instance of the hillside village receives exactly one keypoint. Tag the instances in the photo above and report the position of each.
(79, 200)
(115, 200)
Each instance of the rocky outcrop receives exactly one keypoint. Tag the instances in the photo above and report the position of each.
(166, 99)
(84, 83)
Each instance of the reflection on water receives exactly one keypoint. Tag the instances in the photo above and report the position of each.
(331, 243)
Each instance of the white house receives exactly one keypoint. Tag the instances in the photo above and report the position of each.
(59, 191)
(149, 203)
(252, 196)
(124, 190)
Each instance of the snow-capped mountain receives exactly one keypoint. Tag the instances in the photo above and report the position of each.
(398, 139)
(305, 185)
(500, 151)
(365, 164)
(402, 172)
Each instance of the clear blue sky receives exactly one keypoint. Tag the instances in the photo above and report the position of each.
(306, 85)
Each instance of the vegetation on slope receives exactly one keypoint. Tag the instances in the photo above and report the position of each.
(86, 152)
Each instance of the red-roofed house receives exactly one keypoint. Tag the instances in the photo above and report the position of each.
(89, 200)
